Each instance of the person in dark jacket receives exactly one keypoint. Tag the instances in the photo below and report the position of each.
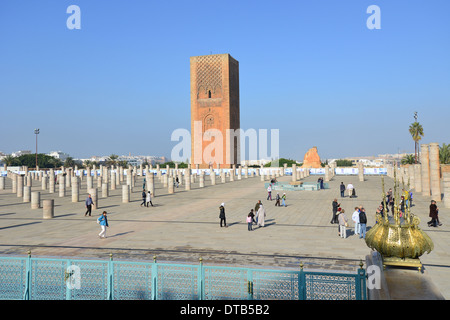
(362, 223)
(222, 215)
(433, 214)
(89, 203)
(342, 189)
(144, 196)
(335, 205)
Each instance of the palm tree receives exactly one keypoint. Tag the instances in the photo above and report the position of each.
(9, 160)
(408, 159)
(416, 131)
(444, 154)
(112, 160)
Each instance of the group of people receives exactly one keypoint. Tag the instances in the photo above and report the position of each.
(277, 197)
(350, 189)
(146, 198)
(359, 219)
(256, 216)
(259, 218)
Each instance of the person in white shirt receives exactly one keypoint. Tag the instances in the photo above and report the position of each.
(269, 193)
(355, 218)
(350, 189)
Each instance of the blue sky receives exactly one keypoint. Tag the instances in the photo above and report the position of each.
(311, 69)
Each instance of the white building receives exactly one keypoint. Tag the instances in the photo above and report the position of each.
(58, 155)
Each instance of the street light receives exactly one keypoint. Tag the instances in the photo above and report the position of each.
(36, 132)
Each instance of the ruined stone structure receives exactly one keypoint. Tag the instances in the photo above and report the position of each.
(312, 159)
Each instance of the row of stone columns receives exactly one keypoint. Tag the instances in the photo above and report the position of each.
(428, 177)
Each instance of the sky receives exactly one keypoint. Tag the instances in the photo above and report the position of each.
(311, 69)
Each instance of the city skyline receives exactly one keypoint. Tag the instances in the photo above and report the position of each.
(313, 70)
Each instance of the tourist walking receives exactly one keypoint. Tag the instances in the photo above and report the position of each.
(277, 199)
(222, 215)
(342, 189)
(355, 218)
(343, 224)
(269, 193)
(89, 203)
(362, 223)
(103, 222)
(283, 200)
(261, 215)
(350, 190)
(258, 204)
(148, 199)
(144, 196)
(335, 206)
(433, 214)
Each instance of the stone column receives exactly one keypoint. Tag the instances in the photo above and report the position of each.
(165, 179)
(151, 183)
(29, 179)
(89, 182)
(361, 171)
(48, 209)
(187, 179)
(261, 174)
(44, 182)
(170, 188)
(62, 185)
(239, 173)
(125, 193)
(113, 180)
(446, 188)
(51, 182)
(417, 178)
(294, 172)
(99, 182)
(411, 177)
(105, 192)
(19, 186)
(222, 176)
(75, 189)
(425, 164)
(14, 182)
(435, 172)
(117, 176)
(212, 176)
(2, 183)
(94, 195)
(68, 175)
(26, 194)
(232, 172)
(35, 200)
(201, 180)
(327, 173)
(129, 177)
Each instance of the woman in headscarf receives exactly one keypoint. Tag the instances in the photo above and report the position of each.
(222, 215)
(261, 214)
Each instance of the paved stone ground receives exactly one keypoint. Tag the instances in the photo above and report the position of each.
(184, 226)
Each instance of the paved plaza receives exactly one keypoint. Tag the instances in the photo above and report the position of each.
(184, 226)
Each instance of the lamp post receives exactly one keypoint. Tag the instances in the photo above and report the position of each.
(36, 132)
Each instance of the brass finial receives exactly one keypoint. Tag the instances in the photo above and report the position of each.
(154, 258)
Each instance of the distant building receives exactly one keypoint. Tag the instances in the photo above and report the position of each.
(58, 155)
(21, 152)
